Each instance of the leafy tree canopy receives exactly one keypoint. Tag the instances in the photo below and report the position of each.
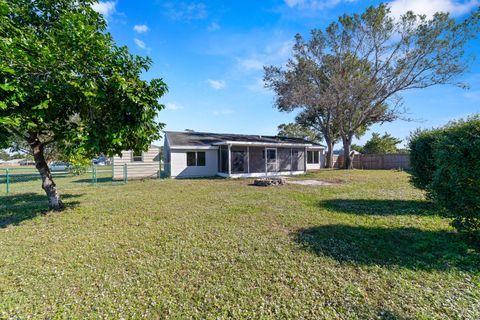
(63, 80)
(351, 75)
(295, 130)
(381, 144)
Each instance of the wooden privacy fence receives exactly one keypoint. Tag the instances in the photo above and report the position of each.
(375, 161)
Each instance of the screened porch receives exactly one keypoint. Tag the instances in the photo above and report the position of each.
(237, 160)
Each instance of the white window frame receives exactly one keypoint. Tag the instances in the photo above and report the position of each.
(133, 157)
(196, 158)
(313, 152)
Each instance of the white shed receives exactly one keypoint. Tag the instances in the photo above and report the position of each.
(140, 165)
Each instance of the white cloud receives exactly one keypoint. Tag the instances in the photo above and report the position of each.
(286, 48)
(186, 11)
(222, 112)
(173, 106)
(217, 84)
(213, 27)
(275, 52)
(430, 7)
(258, 86)
(250, 64)
(139, 43)
(106, 8)
(315, 4)
(472, 95)
(141, 28)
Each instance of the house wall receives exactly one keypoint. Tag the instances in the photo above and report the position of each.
(178, 164)
(148, 168)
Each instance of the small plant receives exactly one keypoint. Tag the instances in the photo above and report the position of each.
(79, 164)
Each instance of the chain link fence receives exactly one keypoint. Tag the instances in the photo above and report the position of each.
(17, 180)
(22, 196)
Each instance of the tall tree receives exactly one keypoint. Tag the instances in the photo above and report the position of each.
(301, 86)
(64, 81)
(377, 57)
(381, 144)
(359, 66)
(295, 130)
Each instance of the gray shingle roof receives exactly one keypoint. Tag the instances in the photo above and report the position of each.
(209, 139)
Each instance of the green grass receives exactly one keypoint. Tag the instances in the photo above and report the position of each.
(370, 247)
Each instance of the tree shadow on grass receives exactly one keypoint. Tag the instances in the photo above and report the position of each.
(99, 180)
(382, 207)
(20, 207)
(403, 247)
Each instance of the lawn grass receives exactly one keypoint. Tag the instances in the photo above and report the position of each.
(369, 247)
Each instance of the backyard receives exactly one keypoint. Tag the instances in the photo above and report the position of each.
(368, 246)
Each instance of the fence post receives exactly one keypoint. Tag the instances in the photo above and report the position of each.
(94, 175)
(125, 173)
(160, 168)
(8, 180)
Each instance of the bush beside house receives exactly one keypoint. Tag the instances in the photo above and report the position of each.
(446, 164)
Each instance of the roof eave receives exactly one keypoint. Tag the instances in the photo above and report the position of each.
(249, 143)
(193, 147)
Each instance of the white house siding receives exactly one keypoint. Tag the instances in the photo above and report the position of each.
(178, 164)
(148, 168)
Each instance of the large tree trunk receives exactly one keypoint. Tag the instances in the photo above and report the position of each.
(329, 154)
(347, 155)
(54, 201)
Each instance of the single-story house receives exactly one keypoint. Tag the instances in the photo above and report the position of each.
(12, 162)
(137, 164)
(201, 154)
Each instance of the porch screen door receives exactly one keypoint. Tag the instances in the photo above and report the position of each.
(271, 160)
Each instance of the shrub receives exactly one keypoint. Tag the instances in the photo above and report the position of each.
(422, 160)
(455, 182)
(79, 164)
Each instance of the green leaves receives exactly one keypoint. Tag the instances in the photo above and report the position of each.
(41, 105)
(446, 164)
(63, 80)
(381, 144)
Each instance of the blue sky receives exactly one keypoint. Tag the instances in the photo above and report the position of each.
(211, 55)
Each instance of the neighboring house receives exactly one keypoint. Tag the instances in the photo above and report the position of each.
(13, 162)
(137, 165)
(200, 154)
(27, 162)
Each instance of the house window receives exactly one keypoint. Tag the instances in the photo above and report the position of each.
(312, 157)
(196, 159)
(137, 156)
(201, 159)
